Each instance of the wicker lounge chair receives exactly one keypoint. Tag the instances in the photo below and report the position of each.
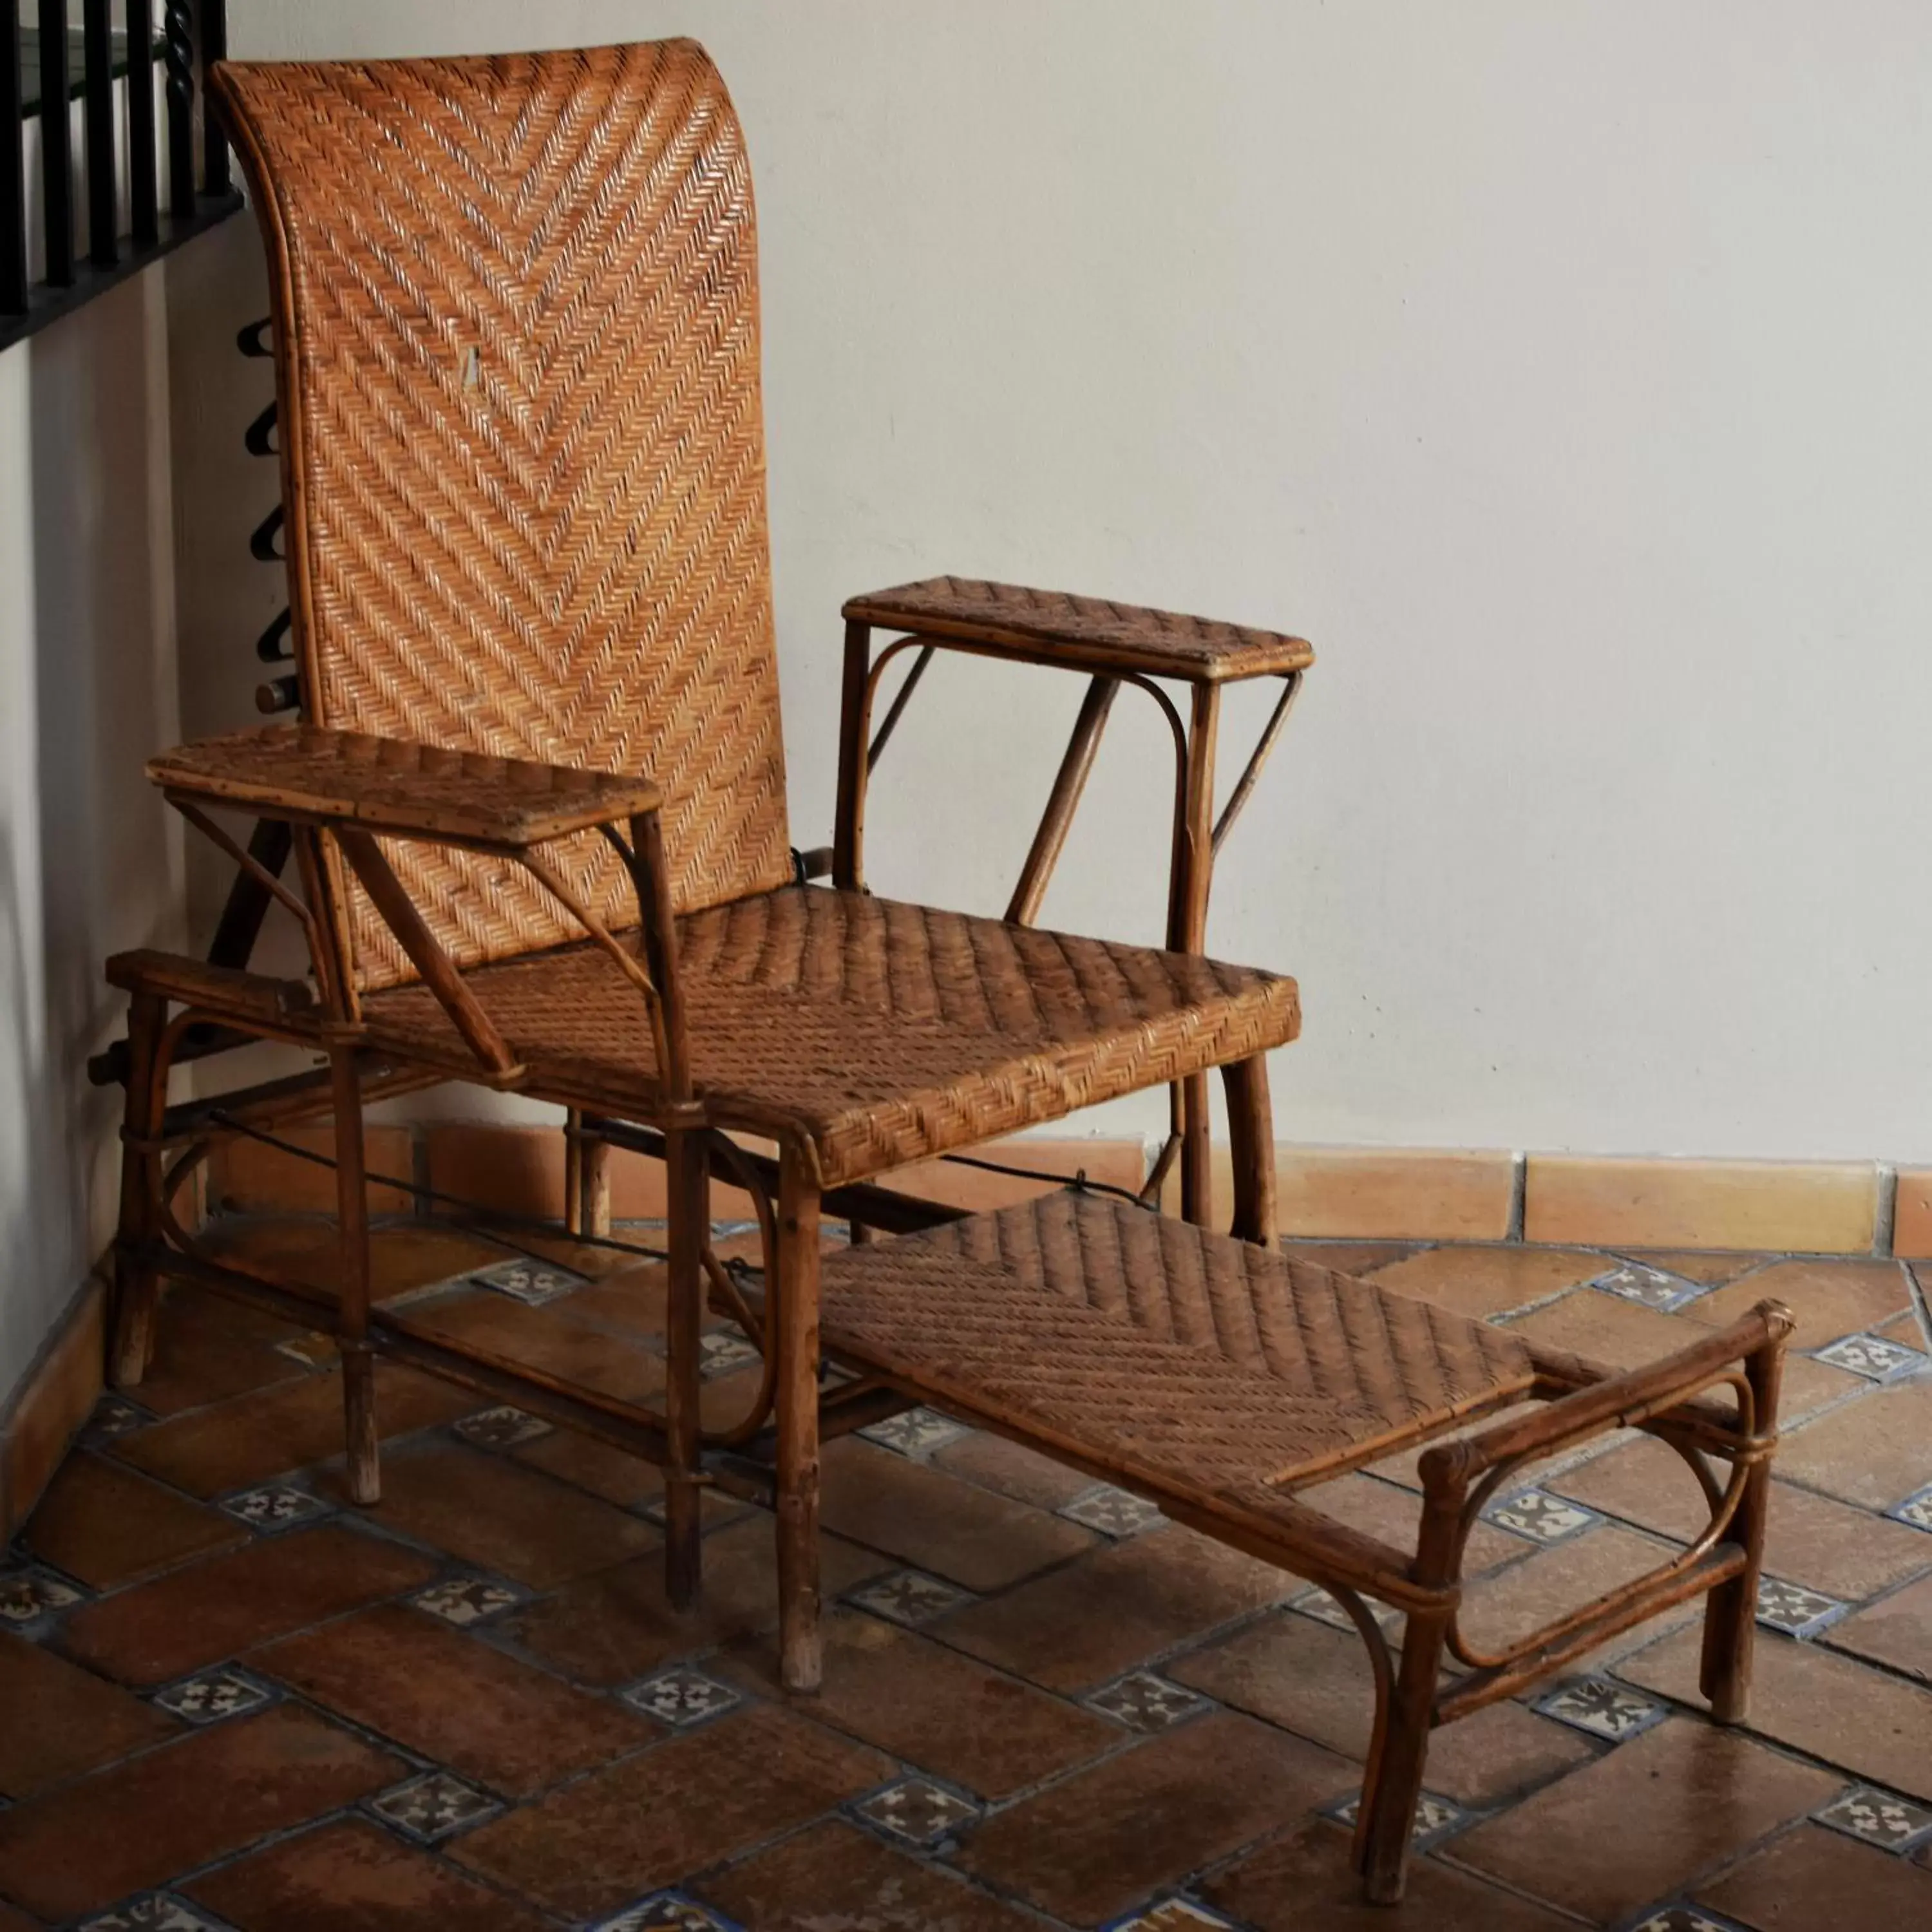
(536, 796)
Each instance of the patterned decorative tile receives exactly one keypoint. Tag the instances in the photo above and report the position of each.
(1435, 1818)
(433, 1807)
(1795, 1611)
(278, 1507)
(1651, 1287)
(1893, 1824)
(1916, 1509)
(1684, 1919)
(115, 1415)
(682, 1697)
(909, 1596)
(212, 1695)
(500, 1428)
(667, 1912)
(1318, 1604)
(1604, 1708)
(314, 1350)
(152, 1911)
(1870, 1356)
(1143, 1702)
(722, 1351)
(463, 1600)
(532, 1282)
(27, 1595)
(1171, 1914)
(915, 1432)
(1116, 1513)
(1540, 1516)
(916, 1811)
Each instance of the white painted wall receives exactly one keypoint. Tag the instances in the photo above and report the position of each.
(88, 685)
(1558, 369)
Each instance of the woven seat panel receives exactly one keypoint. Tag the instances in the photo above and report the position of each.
(517, 348)
(1202, 1364)
(880, 1032)
(1164, 642)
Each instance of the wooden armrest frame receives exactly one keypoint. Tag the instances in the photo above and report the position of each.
(350, 786)
(306, 775)
(1663, 1398)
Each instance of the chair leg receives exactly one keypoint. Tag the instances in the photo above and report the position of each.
(688, 1201)
(137, 1286)
(1392, 1784)
(796, 1324)
(351, 1319)
(1251, 1130)
(1730, 1613)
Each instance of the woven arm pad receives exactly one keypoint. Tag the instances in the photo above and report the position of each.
(312, 776)
(1086, 633)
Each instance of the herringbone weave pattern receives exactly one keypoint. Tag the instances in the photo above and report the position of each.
(518, 335)
(879, 1032)
(1164, 643)
(1207, 1365)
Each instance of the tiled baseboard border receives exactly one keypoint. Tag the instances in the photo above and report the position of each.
(1357, 1193)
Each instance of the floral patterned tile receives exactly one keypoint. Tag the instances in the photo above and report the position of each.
(280, 1506)
(1870, 1356)
(1916, 1509)
(1795, 1610)
(1539, 1516)
(917, 1812)
(502, 1428)
(212, 1695)
(1172, 1915)
(1144, 1702)
(1318, 1603)
(1113, 1512)
(667, 1912)
(1684, 1919)
(682, 1697)
(115, 1415)
(723, 1352)
(915, 1432)
(1602, 1707)
(464, 1601)
(909, 1596)
(1893, 1824)
(29, 1593)
(433, 1807)
(1649, 1287)
(533, 1282)
(152, 1911)
(1435, 1818)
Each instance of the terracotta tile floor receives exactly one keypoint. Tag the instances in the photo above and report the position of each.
(229, 1700)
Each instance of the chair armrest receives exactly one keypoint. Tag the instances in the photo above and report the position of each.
(1622, 1401)
(1083, 633)
(309, 776)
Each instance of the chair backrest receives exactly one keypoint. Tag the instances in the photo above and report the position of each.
(523, 448)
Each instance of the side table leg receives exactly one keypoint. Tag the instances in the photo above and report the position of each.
(1192, 875)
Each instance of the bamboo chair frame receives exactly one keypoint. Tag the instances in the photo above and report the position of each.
(389, 831)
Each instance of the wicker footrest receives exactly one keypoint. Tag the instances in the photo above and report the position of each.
(1218, 1377)
(1190, 1362)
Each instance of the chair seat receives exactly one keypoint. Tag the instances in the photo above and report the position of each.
(1197, 1365)
(877, 1033)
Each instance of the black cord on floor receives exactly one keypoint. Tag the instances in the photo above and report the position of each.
(1079, 1184)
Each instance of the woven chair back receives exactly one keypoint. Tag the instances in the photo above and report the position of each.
(522, 448)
